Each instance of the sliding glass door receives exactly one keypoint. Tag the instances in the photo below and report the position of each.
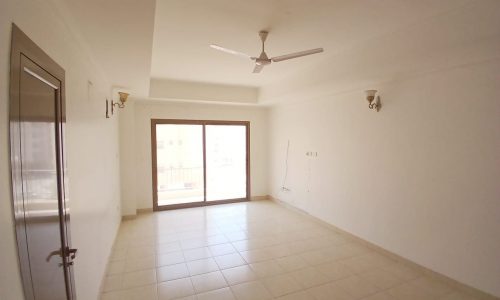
(226, 151)
(198, 162)
(179, 164)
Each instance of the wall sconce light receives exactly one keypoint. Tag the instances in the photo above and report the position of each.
(370, 96)
(121, 104)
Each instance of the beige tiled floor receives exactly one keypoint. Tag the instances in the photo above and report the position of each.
(254, 250)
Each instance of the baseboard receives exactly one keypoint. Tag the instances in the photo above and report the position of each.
(150, 210)
(139, 211)
(128, 217)
(472, 291)
(259, 198)
(144, 210)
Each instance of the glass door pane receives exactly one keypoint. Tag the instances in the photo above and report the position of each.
(226, 156)
(179, 163)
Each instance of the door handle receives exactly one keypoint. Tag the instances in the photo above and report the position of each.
(55, 252)
(71, 252)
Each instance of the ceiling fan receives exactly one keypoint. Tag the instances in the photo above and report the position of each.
(263, 59)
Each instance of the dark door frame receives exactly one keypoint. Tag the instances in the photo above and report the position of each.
(155, 122)
(24, 49)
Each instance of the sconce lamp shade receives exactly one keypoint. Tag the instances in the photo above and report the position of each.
(370, 95)
(123, 97)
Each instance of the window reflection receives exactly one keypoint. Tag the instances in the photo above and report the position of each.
(40, 168)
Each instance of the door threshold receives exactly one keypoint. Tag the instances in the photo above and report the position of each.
(199, 204)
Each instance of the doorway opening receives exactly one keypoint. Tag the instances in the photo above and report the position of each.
(199, 162)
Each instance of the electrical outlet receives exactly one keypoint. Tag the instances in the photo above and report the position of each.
(312, 154)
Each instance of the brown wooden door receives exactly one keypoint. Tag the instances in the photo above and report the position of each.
(38, 172)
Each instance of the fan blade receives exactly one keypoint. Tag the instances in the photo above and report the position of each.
(296, 54)
(233, 52)
(258, 68)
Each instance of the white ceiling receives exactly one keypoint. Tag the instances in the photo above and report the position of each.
(365, 41)
(120, 36)
(185, 28)
(465, 35)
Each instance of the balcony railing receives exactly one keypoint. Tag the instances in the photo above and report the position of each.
(170, 179)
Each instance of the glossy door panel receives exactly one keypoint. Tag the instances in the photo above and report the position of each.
(40, 181)
(38, 172)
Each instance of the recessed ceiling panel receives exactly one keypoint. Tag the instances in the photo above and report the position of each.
(185, 28)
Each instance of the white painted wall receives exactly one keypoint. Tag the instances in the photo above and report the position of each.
(187, 90)
(420, 178)
(91, 148)
(141, 167)
(127, 159)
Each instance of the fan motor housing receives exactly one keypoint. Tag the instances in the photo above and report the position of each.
(263, 59)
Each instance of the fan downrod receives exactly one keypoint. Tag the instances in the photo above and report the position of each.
(263, 35)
